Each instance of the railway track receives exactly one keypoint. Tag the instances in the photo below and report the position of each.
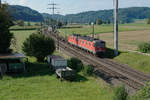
(132, 78)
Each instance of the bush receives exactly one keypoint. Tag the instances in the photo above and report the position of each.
(20, 22)
(120, 93)
(75, 64)
(39, 46)
(144, 47)
(88, 70)
(144, 93)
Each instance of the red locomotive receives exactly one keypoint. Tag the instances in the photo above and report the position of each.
(90, 44)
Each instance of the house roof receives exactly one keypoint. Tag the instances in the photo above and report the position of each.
(12, 56)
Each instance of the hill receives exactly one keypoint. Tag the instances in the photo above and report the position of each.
(126, 15)
(25, 13)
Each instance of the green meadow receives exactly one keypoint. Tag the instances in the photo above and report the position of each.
(38, 83)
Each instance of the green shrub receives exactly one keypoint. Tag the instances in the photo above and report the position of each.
(75, 64)
(39, 46)
(143, 94)
(88, 70)
(148, 22)
(144, 47)
(120, 93)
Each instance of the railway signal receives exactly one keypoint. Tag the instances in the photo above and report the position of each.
(116, 27)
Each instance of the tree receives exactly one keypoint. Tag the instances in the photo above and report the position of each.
(20, 22)
(39, 46)
(99, 22)
(5, 35)
(75, 64)
(108, 22)
(29, 24)
(59, 24)
(148, 22)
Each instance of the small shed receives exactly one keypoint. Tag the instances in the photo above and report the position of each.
(56, 62)
(12, 62)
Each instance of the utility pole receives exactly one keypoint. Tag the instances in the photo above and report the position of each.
(53, 10)
(93, 29)
(53, 7)
(116, 27)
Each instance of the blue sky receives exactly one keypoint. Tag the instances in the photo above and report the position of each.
(76, 6)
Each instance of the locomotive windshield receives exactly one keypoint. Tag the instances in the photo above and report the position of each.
(99, 43)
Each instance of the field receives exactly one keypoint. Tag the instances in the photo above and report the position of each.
(128, 40)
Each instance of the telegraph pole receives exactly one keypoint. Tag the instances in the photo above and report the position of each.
(93, 29)
(116, 27)
(53, 7)
(53, 10)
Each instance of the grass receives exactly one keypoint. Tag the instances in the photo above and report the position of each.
(136, 61)
(20, 38)
(40, 84)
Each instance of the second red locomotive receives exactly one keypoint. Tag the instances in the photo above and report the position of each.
(90, 44)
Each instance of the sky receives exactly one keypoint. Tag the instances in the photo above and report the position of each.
(76, 6)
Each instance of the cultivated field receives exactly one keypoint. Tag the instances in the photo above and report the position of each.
(128, 40)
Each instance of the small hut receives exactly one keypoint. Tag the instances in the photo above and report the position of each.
(12, 63)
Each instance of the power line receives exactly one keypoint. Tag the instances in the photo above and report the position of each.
(53, 7)
(116, 27)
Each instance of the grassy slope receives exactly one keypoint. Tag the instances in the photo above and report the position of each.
(20, 37)
(136, 61)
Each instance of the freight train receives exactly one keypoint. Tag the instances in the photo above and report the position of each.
(92, 45)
